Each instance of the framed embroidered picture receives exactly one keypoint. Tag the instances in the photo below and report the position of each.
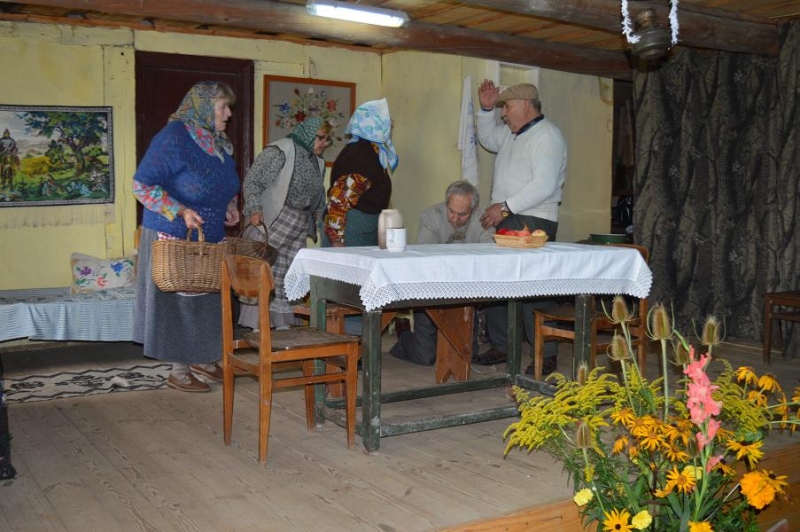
(289, 101)
(53, 155)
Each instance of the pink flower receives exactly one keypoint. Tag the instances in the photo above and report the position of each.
(696, 370)
(707, 436)
(712, 462)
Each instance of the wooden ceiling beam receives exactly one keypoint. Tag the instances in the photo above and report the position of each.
(709, 28)
(292, 19)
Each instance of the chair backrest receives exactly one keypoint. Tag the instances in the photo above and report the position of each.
(251, 278)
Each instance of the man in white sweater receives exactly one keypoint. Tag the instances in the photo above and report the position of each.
(529, 173)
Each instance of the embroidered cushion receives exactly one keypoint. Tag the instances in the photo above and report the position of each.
(90, 274)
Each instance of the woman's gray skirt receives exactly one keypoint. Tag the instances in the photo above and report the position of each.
(172, 327)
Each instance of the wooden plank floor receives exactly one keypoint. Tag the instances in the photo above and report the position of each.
(155, 460)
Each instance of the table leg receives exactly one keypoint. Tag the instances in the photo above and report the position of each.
(371, 395)
(318, 318)
(584, 314)
(514, 337)
(454, 342)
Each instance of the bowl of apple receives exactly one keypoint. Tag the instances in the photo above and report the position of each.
(522, 238)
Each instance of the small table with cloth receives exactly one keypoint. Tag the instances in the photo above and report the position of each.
(449, 277)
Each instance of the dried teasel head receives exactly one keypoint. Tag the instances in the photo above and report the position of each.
(618, 348)
(583, 373)
(712, 334)
(682, 356)
(583, 435)
(620, 312)
(659, 323)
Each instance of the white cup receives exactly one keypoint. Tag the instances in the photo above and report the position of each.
(395, 239)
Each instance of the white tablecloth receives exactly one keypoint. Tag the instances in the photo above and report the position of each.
(472, 271)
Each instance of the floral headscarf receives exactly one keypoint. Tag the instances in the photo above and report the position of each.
(197, 113)
(305, 132)
(372, 122)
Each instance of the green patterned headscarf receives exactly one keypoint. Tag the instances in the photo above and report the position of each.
(197, 113)
(305, 132)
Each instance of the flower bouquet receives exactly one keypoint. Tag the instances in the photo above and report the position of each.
(647, 456)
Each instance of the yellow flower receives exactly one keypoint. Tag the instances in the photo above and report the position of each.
(583, 497)
(623, 417)
(768, 383)
(747, 375)
(757, 489)
(697, 471)
(751, 452)
(779, 483)
(675, 454)
(620, 444)
(652, 439)
(617, 521)
(642, 520)
(700, 527)
(641, 426)
(683, 481)
(757, 398)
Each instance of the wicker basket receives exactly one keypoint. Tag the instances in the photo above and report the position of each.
(186, 266)
(531, 241)
(258, 249)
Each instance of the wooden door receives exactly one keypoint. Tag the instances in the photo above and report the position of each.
(163, 79)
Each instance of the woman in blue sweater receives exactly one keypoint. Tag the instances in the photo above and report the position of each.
(186, 179)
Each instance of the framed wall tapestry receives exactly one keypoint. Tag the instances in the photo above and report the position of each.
(55, 155)
(289, 101)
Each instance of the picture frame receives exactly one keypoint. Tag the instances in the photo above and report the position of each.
(55, 155)
(288, 101)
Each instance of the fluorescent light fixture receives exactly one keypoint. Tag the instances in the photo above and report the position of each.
(357, 13)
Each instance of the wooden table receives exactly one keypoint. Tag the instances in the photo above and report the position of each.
(449, 277)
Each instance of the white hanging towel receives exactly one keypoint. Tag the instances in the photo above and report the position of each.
(467, 142)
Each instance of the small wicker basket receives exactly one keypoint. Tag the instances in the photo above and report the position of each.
(242, 245)
(186, 266)
(531, 241)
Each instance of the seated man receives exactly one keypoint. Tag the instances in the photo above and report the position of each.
(450, 222)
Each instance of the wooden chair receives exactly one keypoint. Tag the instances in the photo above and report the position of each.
(258, 353)
(779, 299)
(564, 329)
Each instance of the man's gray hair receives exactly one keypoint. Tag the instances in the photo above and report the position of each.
(462, 188)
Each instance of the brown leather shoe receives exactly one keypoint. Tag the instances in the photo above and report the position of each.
(215, 375)
(189, 383)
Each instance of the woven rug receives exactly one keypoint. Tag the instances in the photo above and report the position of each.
(92, 381)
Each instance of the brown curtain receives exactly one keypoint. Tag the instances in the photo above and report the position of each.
(717, 171)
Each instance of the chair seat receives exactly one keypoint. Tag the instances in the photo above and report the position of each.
(299, 338)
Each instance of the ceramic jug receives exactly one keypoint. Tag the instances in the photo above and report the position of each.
(388, 219)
